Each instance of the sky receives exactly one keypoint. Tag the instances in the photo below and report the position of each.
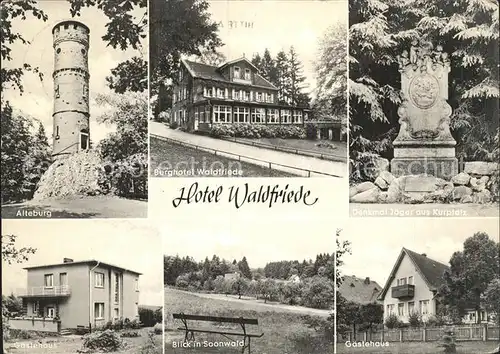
(260, 240)
(131, 244)
(37, 100)
(377, 242)
(276, 25)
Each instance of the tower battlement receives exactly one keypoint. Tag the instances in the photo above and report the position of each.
(71, 88)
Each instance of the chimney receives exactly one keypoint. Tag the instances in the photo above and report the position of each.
(424, 254)
(367, 280)
(67, 260)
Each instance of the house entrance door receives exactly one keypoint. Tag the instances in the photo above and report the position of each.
(51, 312)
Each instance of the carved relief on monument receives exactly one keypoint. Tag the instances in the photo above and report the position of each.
(424, 113)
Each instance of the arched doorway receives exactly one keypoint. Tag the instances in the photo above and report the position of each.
(84, 139)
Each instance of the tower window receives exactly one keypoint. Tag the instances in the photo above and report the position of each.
(57, 92)
(84, 139)
(66, 26)
(58, 50)
(57, 133)
(83, 51)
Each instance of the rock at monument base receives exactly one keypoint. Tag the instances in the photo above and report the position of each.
(76, 175)
(482, 197)
(478, 184)
(444, 168)
(372, 166)
(462, 179)
(364, 186)
(381, 183)
(480, 168)
(460, 192)
(387, 176)
(368, 196)
(353, 191)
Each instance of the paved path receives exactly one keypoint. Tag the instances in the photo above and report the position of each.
(253, 303)
(322, 167)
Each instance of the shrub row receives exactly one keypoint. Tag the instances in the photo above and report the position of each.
(120, 324)
(256, 131)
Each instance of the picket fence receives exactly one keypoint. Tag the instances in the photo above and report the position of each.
(482, 332)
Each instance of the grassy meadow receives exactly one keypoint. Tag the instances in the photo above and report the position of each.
(285, 332)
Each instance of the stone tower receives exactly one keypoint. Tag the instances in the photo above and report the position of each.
(71, 132)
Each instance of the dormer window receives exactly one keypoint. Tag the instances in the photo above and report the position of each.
(246, 95)
(235, 94)
(220, 93)
(236, 72)
(247, 74)
(259, 96)
(209, 92)
(268, 98)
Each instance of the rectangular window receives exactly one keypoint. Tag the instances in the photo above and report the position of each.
(424, 307)
(222, 114)
(36, 307)
(411, 307)
(136, 309)
(247, 74)
(136, 284)
(196, 116)
(117, 288)
(241, 114)
(236, 72)
(51, 312)
(209, 92)
(401, 309)
(220, 93)
(48, 280)
(286, 116)
(410, 280)
(246, 96)
(235, 94)
(226, 93)
(297, 117)
(272, 116)
(99, 280)
(402, 281)
(258, 115)
(99, 310)
(63, 279)
(202, 115)
(269, 98)
(117, 313)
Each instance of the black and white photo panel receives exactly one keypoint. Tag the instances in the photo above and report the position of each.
(423, 108)
(74, 118)
(248, 88)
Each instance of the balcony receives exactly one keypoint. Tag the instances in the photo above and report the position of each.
(44, 291)
(403, 291)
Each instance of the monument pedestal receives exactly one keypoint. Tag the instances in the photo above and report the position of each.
(431, 158)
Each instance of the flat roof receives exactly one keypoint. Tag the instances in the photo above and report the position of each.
(90, 262)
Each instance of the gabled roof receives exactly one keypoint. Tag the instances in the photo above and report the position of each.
(430, 270)
(237, 61)
(91, 262)
(359, 290)
(210, 72)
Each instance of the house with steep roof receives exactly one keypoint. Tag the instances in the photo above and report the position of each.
(359, 290)
(235, 92)
(75, 294)
(413, 286)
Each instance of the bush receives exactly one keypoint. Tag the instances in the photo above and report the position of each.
(148, 317)
(256, 131)
(106, 341)
(311, 131)
(21, 334)
(130, 334)
(118, 324)
(435, 321)
(415, 320)
(174, 125)
(158, 328)
(392, 321)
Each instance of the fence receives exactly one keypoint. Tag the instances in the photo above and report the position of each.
(285, 168)
(425, 334)
(296, 151)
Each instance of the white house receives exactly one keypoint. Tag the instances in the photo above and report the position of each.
(413, 285)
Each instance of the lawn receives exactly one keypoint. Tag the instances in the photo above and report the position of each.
(419, 348)
(328, 147)
(77, 207)
(173, 160)
(285, 332)
(72, 343)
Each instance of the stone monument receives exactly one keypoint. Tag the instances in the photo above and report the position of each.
(424, 144)
(71, 89)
